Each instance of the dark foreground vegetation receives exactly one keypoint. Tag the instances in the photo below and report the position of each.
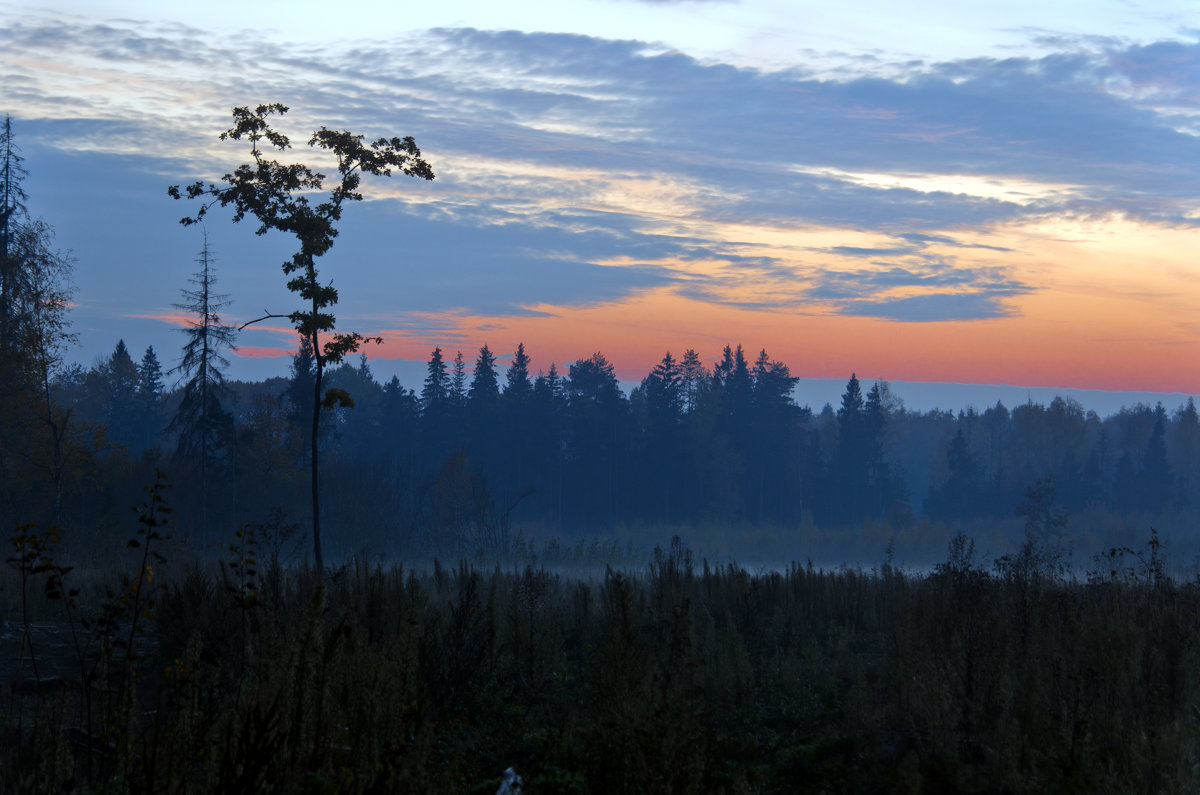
(677, 677)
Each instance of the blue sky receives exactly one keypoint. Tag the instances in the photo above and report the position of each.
(936, 192)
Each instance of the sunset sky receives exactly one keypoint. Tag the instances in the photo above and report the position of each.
(920, 192)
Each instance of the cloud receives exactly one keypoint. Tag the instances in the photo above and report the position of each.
(934, 307)
(917, 283)
(1102, 120)
(576, 171)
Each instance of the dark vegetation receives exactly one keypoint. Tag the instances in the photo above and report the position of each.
(195, 650)
(677, 677)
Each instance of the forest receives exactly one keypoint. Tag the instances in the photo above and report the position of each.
(477, 458)
(698, 586)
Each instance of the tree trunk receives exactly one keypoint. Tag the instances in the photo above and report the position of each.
(316, 427)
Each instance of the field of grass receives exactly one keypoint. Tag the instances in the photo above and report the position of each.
(670, 676)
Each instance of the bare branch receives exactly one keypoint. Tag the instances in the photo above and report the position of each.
(267, 316)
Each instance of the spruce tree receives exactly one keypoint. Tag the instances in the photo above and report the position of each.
(849, 476)
(203, 426)
(516, 380)
(120, 406)
(484, 390)
(458, 382)
(149, 398)
(435, 392)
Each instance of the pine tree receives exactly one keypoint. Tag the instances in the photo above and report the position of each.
(851, 409)
(458, 382)
(664, 414)
(203, 426)
(484, 390)
(516, 380)
(664, 396)
(596, 409)
(849, 475)
(120, 406)
(738, 395)
(149, 398)
(435, 393)
(150, 380)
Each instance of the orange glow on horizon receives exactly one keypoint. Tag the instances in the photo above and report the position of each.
(1098, 305)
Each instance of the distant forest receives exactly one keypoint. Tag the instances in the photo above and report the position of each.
(479, 458)
(456, 467)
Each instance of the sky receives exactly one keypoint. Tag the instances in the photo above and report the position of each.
(930, 192)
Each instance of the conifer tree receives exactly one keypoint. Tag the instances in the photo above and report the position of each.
(850, 460)
(203, 426)
(738, 394)
(664, 397)
(692, 376)
(484, 389)
(150, 380)
(149, 398)
(516, 380)
(435, 393)
(120, 406)
(458, 382)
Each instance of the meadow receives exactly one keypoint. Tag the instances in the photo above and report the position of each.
(161, 672)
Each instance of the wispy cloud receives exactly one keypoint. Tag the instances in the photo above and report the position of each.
(560, 155)
(935, 307)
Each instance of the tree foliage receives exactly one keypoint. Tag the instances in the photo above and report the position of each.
(35, 294)
(277, 195)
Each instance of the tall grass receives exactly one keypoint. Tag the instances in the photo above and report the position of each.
(678, 677)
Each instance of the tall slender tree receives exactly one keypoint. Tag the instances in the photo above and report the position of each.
(458, 382)
(203, 425)
(278, 195)
(12, 207)
(435, 393)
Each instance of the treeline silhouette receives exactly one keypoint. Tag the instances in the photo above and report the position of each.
(478, 453)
